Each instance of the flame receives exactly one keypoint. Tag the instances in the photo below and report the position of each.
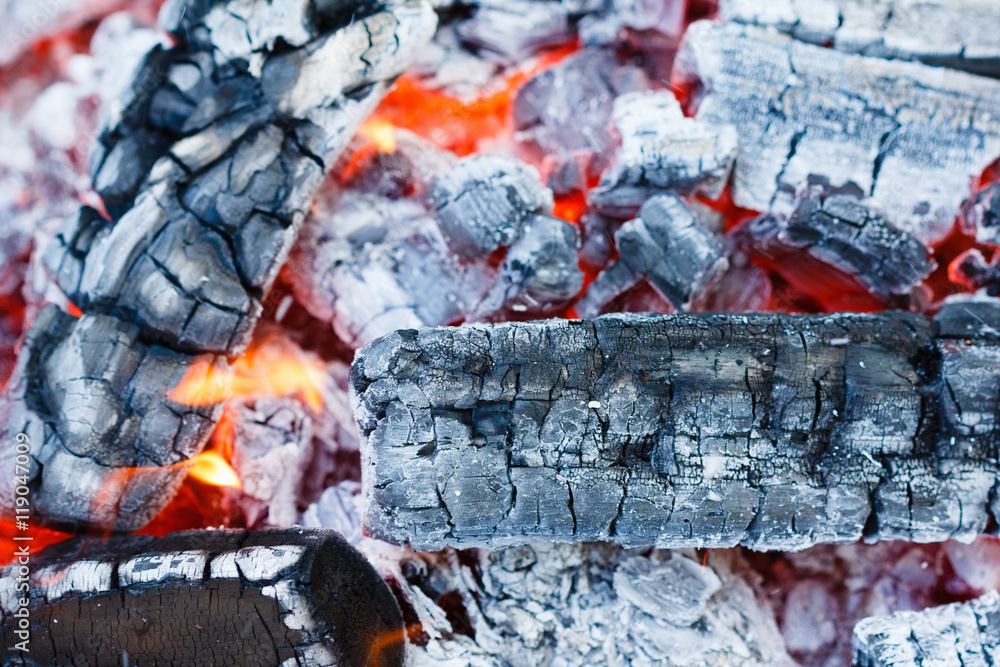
(272, 367)
(381, 133)
(212, 468)
(451, 123)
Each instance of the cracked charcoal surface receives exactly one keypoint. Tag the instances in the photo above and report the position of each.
(93, 400)
(771, 431)
(207, 170)
(807, 115)
(665, 246)
(661, 150)
(223, 597)
(841, 231)
(540, 273)
(372, 265)
(565, 111)
(965, 634)
(953, 33)
(484, 200)
(589, 604)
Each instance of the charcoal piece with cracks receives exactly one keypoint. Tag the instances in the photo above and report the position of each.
(540, 273)
(199, 598)
(665, 246)
(662, 150)
(845, 233)
(484, 200)
(981, 216)
(227, 195)
(952, 34)
(909, 136)
(773, 431)
(513, 30)
(106, 442)
(370, 265)
(955, 634)
(564, 113)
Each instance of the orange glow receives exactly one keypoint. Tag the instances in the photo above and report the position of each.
(380, 132)
(454, 124)
(570, 207)
(271, 367)
(385, 640)
(211, 468)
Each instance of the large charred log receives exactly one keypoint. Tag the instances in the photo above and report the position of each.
(955, 634)
(207, 170)
(953, 33)
(302, 597)
(909, 136)
(771, 431)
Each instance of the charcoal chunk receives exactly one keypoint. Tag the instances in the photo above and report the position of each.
(981, 216)
(540, 273)
(511, 31)
(666, 246)
(661, 150)
(848, 235)
(955, 634)
(772, 431)
(808, 115)
(483, 201)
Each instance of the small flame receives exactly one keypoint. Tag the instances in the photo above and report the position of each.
(272, 367)
(212, 468)
(380, 132)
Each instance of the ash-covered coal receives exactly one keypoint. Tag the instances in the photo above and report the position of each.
(956, 33)
(844, 233)
(483, 202)
(590, 604)
(957, 634)
(767, 430)
(665, 246)
(372, 265)
(660, 151)
(909, 136)
(981, 216)
(564, 114)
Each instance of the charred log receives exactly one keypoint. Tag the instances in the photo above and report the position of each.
(842, 232)
(300, 597)
(952, 34)
(956, 634)
(207, 170)
(771, 431)
(806, 115)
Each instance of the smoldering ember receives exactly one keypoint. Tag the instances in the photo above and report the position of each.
(488, 333)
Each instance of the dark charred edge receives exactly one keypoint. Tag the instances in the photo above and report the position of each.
(215, 621)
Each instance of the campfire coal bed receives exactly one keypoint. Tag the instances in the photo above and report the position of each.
(540, 332)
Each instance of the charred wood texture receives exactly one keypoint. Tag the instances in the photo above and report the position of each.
(907, 135)
(953, 33)
(844, 233)
(207, 169)
(957, 634)
(772, 431)
(302, 597)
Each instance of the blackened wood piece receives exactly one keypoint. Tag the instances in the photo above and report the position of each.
(771, 431)
(965, 634)
(105, 441)
(843, 232)
(908, 135)
(295, 597)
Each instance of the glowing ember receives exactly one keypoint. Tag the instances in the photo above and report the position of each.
(381, 133)
(271, 367)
